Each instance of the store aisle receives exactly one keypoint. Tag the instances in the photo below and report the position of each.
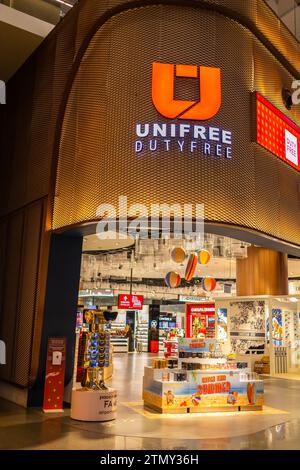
(277, 427)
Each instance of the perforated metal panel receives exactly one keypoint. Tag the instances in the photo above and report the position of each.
(27, 292)
(11, 285)
(20, 240)
(112, 92)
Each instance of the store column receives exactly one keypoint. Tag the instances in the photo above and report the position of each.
(60, 306)
(263, 272)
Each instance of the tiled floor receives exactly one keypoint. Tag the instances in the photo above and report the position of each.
(287, 376)
(277, 427)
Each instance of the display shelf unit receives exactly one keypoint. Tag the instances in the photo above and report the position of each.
(119, 341)
(192, 363)
(120, 345)
(141, 336)
(204, 361)
(170, 347)
(166, 323)
(203, 381)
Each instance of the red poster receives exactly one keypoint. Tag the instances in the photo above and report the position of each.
(200, 320)
(130, 302)
(55, 375)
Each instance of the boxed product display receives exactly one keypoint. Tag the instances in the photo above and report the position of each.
(262, 366)
(204, 381)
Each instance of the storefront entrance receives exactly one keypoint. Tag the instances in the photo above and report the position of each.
(83, 276)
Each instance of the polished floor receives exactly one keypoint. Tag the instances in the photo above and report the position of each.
(277, 427)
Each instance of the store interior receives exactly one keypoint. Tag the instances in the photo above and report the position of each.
(241, 324)
(184, 344)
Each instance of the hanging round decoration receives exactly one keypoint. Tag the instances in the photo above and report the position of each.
(178, 254)
(172, 279)
(191, 267)
(204, 257)
(208, 283)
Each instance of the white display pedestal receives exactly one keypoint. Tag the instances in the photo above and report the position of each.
(94, 405)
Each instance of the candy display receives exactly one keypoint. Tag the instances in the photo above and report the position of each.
(186, 365)
(203, 381)
(160, 363)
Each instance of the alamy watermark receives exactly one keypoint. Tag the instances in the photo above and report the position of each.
(150, 222)
(2, 92)
(2, 353)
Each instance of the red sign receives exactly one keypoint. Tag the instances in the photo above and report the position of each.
(130, 302)
(277, 133)
(55, 375)
(200, 320)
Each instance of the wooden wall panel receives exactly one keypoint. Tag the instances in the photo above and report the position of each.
(263, 272)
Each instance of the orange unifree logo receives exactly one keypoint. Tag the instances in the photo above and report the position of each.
(163, 87)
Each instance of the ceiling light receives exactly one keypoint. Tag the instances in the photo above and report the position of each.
(64, 2)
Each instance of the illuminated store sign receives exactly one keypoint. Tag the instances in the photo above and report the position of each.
(163, 91)
(128, 301)
(277, 133)
(182, 137)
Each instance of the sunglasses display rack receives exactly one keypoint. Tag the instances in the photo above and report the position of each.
(94, 401)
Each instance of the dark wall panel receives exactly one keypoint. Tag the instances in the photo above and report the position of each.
(27, 293)
(20, 244)
(3, 241)
(11, 291)
(60, 305)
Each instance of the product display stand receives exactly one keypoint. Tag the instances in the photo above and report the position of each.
(118, 337)
(142, 337)
(94, 405)
(204, 381)
(94, 401)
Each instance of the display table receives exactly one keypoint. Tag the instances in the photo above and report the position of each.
(196, 391)
(94, 405)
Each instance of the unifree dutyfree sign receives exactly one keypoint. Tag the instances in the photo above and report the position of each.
(177, 135)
